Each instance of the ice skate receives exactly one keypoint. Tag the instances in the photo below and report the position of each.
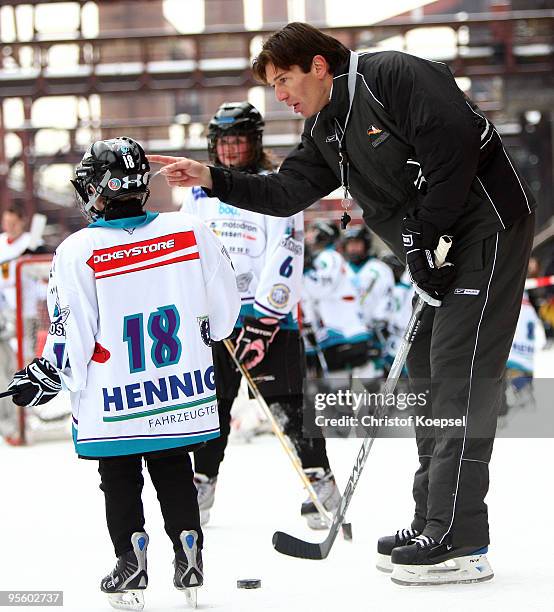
(188, 567)
(206, 495)
(327, 491)
(423, 561)
(126, 583)
(386, 545)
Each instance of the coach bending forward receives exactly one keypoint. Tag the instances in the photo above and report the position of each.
(422, 161)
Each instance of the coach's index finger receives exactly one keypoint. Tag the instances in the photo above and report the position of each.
(163, 159)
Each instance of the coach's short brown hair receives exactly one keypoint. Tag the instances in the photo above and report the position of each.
(296, 45)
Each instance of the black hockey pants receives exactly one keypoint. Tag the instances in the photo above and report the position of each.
(279, 378)
(461, 348)
(122, 482)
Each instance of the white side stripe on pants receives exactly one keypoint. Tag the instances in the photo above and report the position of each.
(469, 393)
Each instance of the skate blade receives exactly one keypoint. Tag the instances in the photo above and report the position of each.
(383, 563)
(204, 517)
(191, 596)
(127, 600)
(462, 570)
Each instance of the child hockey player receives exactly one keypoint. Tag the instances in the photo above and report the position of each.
(332, 305)
(374, 281)
(135, 299)
(529, 338)
(267, 254)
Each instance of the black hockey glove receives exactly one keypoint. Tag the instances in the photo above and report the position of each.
(420, 240)
(254, 339)
(36, 384)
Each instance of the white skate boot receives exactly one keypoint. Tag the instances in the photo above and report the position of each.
(327, 491)
(424, 561)
(126, 583)
(188, 567)
(206, 495)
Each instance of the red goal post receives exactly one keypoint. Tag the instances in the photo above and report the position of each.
(50, 421)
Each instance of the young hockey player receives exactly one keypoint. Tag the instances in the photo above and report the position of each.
(135, 299)
(530, 336)
(375, 282)
(267, 254)
(330, 299)
(399, 307)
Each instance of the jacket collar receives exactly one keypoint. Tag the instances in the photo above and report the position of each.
(338, 103)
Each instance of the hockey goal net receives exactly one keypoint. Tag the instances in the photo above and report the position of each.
(52, 420)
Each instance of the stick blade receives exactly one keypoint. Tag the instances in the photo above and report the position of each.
(294, 547)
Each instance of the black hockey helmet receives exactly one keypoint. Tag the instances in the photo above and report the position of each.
(114, 169)
(322, 233)
(237, 119)
(357, 232)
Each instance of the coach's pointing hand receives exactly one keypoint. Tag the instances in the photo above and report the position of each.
(183, 172)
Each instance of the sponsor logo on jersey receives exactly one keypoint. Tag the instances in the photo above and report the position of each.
(244, 280)
(292, 245)
(122, 403)
(228, 209)
(204, 325)
(372, 130)
(279, 295)
(461, 291)
(151, 253)
(114, 184)
(57, 327)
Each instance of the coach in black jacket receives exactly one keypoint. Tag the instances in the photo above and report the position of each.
(421, 161)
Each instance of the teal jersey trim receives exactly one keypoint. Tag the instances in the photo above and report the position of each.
(132, 446)
(333, 338)
(515, 365)
(356, 267)
(127, 222)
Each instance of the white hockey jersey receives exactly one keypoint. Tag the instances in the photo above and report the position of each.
(133, 304)
(267, 254)
(374, 281)
(529, 337)
(330, 299)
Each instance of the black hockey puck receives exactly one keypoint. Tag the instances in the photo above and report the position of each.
(249, 583)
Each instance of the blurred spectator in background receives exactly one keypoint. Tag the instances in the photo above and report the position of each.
(546, 310)
(14, 242)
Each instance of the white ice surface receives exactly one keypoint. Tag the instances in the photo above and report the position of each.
(54, 535)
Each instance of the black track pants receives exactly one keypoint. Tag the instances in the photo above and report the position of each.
(460, 353)
(280, 377)
(122, 482)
